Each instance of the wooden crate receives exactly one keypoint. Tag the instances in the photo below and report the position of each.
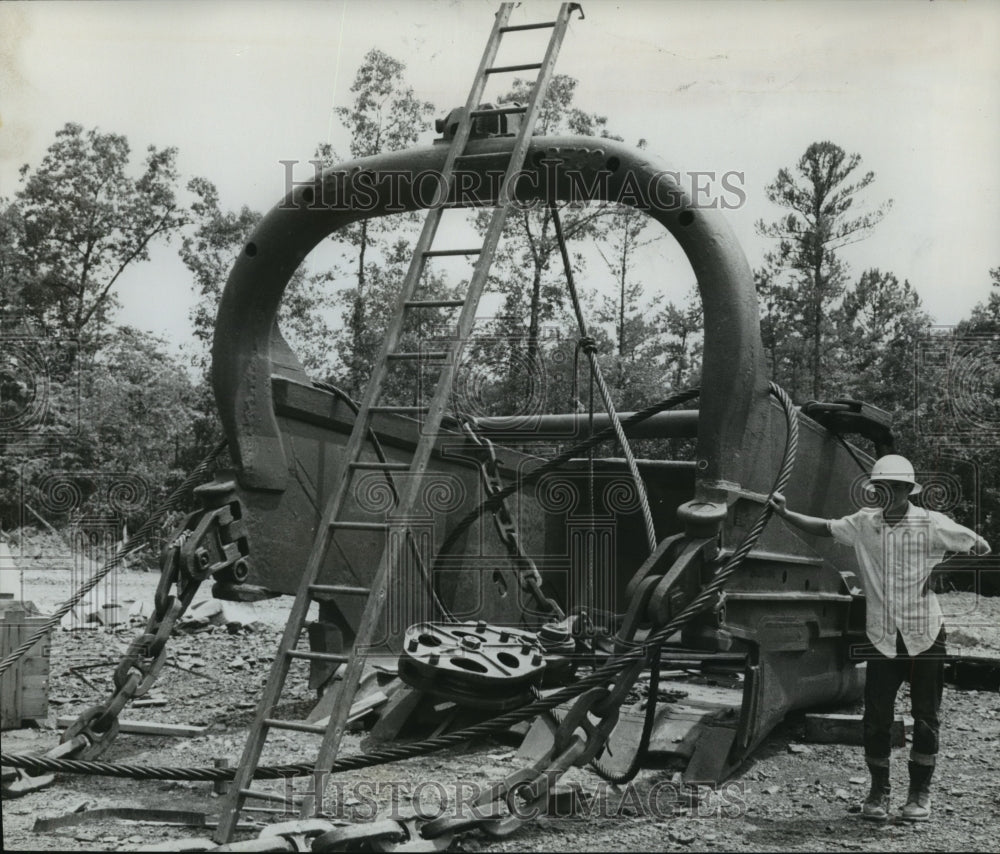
(24, 689)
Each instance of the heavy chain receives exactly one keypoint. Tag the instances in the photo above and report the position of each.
(580, 736)
(528, 575)
(593, 697)
(210, 541)
(96, 727)
(143, 660)
(519, 798)
(138, 541)
(498, 812)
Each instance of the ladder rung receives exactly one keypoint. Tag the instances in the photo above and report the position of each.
(514, 28)
(440, 253)
(307, 655)
(500, 111)
(360, 526)
(381, 466)
(503, 69)
(434, 303)
(339, 589)
(429, 355)
(276, 723)
(346, 703)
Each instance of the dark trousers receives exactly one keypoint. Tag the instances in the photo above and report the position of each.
(925, 673)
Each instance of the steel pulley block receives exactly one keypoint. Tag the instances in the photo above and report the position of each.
(472, 664)
(556, 638)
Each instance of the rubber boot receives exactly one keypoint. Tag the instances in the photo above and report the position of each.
(876, 805)
(918, 800)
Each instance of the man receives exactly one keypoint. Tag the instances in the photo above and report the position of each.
(897, 546)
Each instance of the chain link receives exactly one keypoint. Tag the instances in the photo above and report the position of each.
(143, 660)
(24, 783)
(145, 657)
(95, 741)
(526, 792)
(602, 702)
(357, 837)
(528, 575)
(595, 713)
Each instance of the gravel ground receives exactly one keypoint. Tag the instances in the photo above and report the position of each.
(789, 797)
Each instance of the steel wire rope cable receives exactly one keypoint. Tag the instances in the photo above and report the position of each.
(649, 718)
(590, 596)
(138, 541)
(380, 453)
(597, 678)
(590, 348)
(864, 469)
(137, 772)
(635, 763)
(492, 502)
(577, 404)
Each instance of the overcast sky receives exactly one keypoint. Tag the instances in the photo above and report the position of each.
(913, 87)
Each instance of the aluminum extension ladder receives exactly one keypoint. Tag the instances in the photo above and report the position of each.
(332, 521)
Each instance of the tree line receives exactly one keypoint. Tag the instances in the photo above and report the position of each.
(117, 400)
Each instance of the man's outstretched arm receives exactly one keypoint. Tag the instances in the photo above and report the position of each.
(809, 524)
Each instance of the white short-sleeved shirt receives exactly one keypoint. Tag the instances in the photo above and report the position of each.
(895, 563)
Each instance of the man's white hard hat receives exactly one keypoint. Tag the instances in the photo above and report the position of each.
(895, 467)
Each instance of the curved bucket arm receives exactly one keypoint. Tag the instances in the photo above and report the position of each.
(734, 408)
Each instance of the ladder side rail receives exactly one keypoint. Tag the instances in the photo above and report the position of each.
(475, 94)
(393, 333)
(270, 695)
(535, 102)
(485, 260)
(394, 548)
(422, 453)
